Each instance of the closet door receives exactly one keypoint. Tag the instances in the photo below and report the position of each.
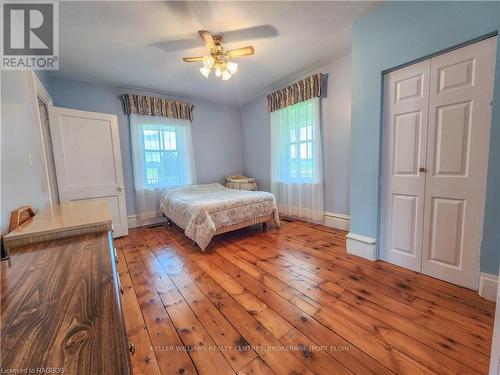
(461, 87)
(404, 153)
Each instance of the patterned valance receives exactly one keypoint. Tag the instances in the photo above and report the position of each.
(151, 106)
(300, 91)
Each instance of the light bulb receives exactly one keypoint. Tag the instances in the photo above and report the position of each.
(218, 72)
(232, 67)
(205, 70)
(208, 61)
(226, 75)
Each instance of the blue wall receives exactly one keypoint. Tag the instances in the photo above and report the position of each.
(393, 34)
(336, 125)
(216, 129)
(43, 76)
(22, 184)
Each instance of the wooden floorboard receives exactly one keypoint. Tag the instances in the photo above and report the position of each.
(291, 301)
(144, 360)
(313, 280)
(330, 265)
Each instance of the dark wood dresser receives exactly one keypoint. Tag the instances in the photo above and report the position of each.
(60, 295)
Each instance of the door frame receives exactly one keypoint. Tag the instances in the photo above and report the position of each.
(38, 90)
(383, 133)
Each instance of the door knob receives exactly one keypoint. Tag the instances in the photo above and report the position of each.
(119, 188)
(422, 169)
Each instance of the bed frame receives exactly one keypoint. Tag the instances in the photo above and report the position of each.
(256, 220)
(229, 228)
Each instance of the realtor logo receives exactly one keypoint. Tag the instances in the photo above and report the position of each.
(30, 37)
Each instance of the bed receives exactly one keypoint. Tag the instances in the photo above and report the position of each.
(204, 211)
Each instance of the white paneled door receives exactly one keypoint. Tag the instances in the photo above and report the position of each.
(88, 160)
(437, 116)
(404, 153)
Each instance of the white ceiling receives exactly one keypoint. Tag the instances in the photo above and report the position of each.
(141, 44)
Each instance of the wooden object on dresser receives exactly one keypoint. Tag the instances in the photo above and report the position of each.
(60, 298)
(20, 216)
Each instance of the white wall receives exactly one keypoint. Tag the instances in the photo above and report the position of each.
(336, 122)
(20, 184)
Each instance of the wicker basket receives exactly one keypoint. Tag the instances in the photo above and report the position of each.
(239, 182)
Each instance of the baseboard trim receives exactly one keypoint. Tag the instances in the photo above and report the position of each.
(362, 246)
(488, 285)
(338, 221)
(133, 221)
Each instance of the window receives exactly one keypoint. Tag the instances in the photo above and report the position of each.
(301, 152)
(296, 165)
(294, 134)
(161, 151)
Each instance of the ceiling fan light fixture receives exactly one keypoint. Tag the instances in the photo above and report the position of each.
(208, 61)
(205, 70)
(226, 75)
(218, 59)
(232, 67)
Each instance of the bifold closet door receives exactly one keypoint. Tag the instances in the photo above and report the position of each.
(461, 90)
(437, 118)
(404, 151)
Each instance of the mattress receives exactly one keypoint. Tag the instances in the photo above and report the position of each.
(202, 209)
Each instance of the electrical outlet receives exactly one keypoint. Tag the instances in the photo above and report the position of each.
(30, 160)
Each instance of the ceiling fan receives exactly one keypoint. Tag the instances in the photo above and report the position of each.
(217, 59)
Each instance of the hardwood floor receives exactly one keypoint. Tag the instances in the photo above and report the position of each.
(291, 301)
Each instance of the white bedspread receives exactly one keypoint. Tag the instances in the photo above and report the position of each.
(201, 209)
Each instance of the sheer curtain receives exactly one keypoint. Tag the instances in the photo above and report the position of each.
(162, 156)
(296, 160)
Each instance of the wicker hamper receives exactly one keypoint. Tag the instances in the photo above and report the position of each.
(239, 182)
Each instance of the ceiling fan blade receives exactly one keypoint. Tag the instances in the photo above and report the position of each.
(243, 51)
(250, 33)
(207, 39)
(193, 59)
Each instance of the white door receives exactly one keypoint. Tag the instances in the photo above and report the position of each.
(458, 141)
(404, 152)
(437, 120)
(88, 160)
